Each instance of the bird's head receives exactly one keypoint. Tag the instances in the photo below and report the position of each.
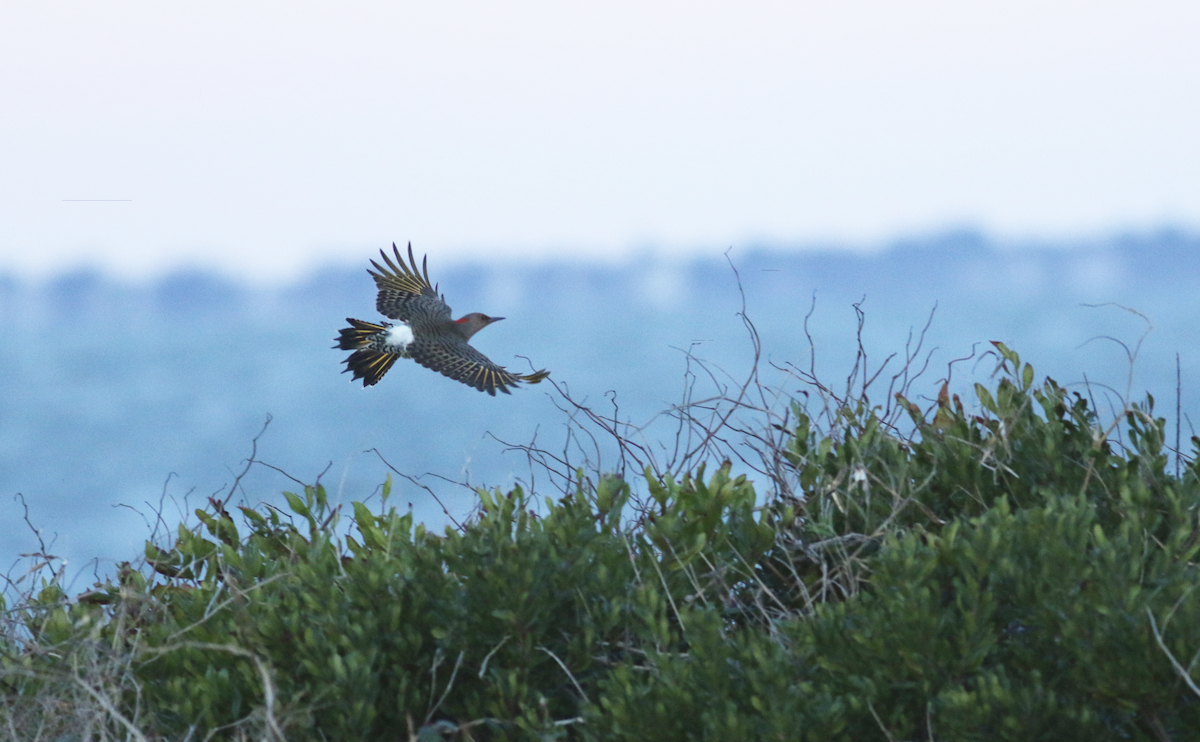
(474, 322)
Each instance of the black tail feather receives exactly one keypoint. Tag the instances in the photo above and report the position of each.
(357, 335)
(369, 365)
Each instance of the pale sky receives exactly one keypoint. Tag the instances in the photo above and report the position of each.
(264, 138)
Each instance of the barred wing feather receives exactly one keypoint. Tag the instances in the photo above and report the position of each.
(459, 361)
(405, 293)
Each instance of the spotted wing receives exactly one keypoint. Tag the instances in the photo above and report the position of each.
(405, 292)
(458, 360)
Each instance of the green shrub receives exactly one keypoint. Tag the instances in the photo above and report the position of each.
(1015, 574)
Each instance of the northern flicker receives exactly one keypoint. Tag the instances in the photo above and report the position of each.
(424, 332)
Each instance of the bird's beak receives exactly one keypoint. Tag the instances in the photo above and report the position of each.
(495, 319)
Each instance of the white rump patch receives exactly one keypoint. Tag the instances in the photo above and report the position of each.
(397, 337)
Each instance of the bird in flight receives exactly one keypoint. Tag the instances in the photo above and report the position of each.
(424, 332)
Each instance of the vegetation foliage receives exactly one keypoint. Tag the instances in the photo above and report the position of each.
(1011, 569)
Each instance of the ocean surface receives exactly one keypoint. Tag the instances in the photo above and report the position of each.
(125, 406)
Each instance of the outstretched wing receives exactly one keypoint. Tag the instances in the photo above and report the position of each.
(458, 360)
(404, 292)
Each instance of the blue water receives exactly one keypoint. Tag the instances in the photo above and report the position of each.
(120, 400)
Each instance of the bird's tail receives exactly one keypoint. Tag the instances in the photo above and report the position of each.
(369, 365)
(366, 364)
(357, 335)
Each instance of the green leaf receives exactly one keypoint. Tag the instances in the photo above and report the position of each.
(296, 504)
